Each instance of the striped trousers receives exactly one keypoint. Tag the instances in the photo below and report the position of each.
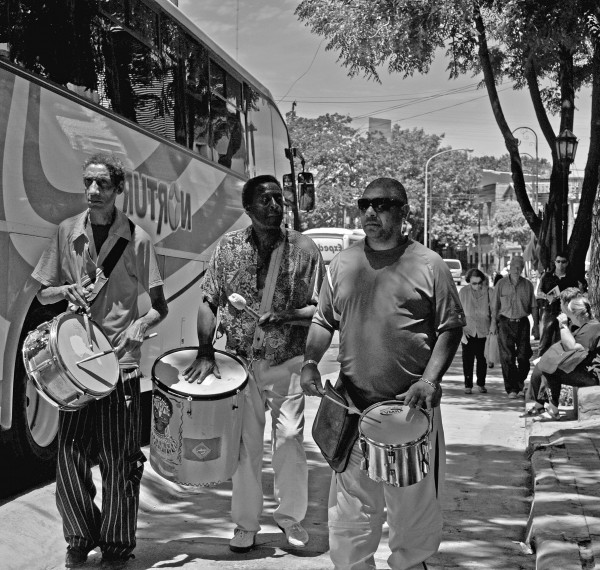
(106, 430)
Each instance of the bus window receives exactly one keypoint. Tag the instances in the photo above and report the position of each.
(282, 164)
(196, 67)
(260, 132)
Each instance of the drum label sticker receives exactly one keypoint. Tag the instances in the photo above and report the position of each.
(390, 411)
(201, 449)
(162, 440)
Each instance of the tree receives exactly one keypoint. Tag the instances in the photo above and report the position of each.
(345, 161)
(551, 48)
(509, 225)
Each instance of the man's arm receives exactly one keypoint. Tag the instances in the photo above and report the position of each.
(74, 294)
(427, 390)
(495, 309)
(135, 332)
(317, 343)
(302, 316)
(205, 363)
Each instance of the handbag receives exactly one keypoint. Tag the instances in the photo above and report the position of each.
(335, 429)
(491, 351)
(557, 358)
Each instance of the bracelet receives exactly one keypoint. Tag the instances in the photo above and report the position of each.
(432, 384)
(206, 350)
(307, 362)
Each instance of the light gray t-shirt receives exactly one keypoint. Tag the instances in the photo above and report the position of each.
(389, 307)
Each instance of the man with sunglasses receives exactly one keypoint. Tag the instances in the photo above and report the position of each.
(106, 430)
(400, 322)
(553, 283)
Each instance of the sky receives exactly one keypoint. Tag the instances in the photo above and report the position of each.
(269, 41)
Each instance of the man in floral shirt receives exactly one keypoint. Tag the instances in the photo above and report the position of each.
(274, 346)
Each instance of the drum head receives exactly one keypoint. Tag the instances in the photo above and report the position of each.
(167, 374)
(400, 425)
(96, 377)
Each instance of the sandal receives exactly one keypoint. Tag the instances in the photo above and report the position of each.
(547, 417)
(532, 412)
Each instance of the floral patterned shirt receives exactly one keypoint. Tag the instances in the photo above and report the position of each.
(233, 269)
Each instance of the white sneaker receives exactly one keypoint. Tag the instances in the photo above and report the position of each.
(296, 535)
(242, 541)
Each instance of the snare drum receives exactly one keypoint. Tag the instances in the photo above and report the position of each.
(51, 353)
(196, 428)
(395, 443)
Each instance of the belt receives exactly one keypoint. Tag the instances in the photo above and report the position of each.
(512, 320)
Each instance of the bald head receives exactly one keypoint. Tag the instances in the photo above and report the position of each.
(392, 187)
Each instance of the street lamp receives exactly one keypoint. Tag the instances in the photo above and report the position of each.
(425, 228)
(536, 160)
(566, 147)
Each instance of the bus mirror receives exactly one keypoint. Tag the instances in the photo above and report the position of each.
(288, 189)
(306, 191)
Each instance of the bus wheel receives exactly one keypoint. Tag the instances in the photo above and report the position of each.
(33, 434)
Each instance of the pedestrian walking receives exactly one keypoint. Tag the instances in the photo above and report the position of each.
(514, 301)
(107, 429)
(476, 299)
(400, 320)
(278, 272)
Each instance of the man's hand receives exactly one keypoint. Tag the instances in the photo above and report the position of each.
(493, 327)
(76, 295)
(310, 380)
(421, 393)
(563, 320)
(270, 320)
(202, 367)
(132, 338)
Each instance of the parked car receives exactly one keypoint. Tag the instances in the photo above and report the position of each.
(456, 269)
(331, 241)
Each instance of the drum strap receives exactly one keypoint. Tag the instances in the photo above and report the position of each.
(110, 261)
(268, 292)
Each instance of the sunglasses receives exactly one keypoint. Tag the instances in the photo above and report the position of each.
(378, 204)
(476, 282)
(103, 183)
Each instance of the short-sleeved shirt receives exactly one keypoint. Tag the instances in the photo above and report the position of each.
(477, 309)
(550, 280)
(514, 301)
(233, 269)
(389, 306)
(71, 256)
(588, 335)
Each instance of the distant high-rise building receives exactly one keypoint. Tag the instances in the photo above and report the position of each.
(381, 127)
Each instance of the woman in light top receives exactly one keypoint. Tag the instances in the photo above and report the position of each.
(476, 299)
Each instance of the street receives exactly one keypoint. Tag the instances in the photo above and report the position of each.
(486, 506)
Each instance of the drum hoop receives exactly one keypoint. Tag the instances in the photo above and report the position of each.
(59, 361)
(420, 439)
(199, 397)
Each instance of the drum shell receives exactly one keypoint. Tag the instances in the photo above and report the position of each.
(48, 372)
(200, 445)
(397, 465)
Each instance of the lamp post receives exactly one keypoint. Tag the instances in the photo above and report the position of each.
(536, 161)
(566, 147)
(425, 228)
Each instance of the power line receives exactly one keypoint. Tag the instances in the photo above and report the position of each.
(309, 68)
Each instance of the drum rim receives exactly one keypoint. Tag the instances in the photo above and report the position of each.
(59, 361)
(207, 398)
(412, 443)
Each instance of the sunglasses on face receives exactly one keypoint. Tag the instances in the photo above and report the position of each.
(102, 183)
(561, 261)
(476, 283)
(378, 204)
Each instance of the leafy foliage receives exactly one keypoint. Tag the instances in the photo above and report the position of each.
(344, 161)
(509, 225)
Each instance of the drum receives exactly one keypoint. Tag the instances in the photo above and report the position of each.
(52, 353)
(395, 443)
(196, 428)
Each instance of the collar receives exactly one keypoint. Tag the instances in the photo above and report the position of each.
(119, 227)
(249, 237)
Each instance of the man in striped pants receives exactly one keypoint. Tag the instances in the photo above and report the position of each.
(108, 429)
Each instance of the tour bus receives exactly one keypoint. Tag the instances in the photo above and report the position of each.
(331, 241)
(139, 79)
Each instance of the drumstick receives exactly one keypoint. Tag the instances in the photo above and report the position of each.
(88, 330)
(352, 410)
(105, 352)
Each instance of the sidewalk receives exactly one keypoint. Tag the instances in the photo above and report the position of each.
(564, 523)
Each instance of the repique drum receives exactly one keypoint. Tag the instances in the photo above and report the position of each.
(395, 443)
(196, 428)
(52, 353)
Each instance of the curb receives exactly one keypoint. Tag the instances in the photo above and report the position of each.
(564, 521)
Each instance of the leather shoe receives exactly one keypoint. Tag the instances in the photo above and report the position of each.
(483, 389)
(468, 390)
(115, 563)
(296, 535)
(513, 395)
(242, 541)
(75, 557)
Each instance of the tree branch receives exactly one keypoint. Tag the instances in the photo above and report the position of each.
(538, 106)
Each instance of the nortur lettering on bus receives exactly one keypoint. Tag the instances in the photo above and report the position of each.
(144, 195)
